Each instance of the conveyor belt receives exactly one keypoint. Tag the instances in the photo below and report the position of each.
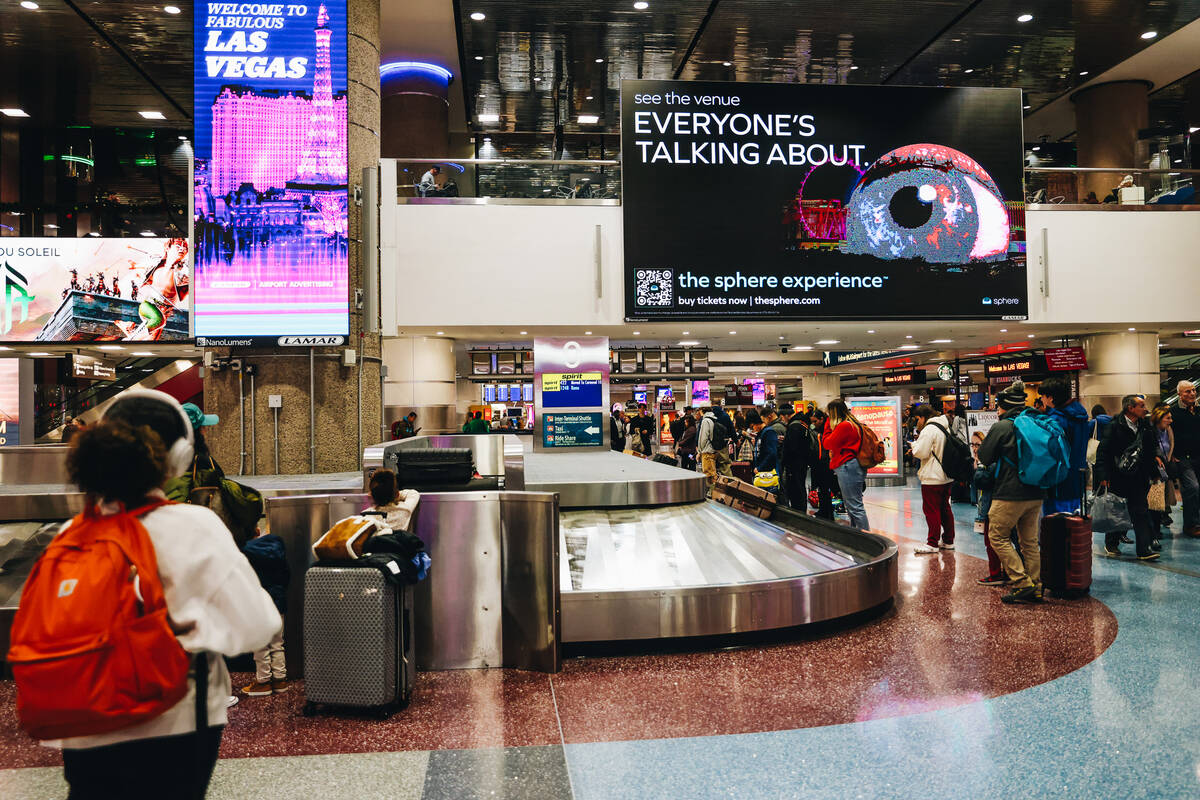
(702, 544)
(609, 479)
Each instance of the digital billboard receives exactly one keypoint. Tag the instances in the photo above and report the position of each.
(881, 415)
(800, 201)
(271, 164)
(94, 290)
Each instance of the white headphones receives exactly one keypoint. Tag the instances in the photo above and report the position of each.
(181, 451)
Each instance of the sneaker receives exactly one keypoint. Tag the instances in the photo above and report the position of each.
(1112, 550)
(1150, 557)
(232, 701)
(999, 579)
(1126, 540)
(280, 686)
(1156, 545)
(257, 689)
(946, 546)
(925, 549)
(1027, 594)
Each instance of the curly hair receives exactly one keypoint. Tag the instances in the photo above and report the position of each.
(383, 487)
(114, 460)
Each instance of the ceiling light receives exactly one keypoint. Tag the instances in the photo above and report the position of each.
(32, 6)
(637, 333)
(478, 16)
(39, 354)
(968, 71)
(733, 333)
(171, 9)
(1028, 107)
(1004, 330)
(183, 138)
(93, 233)
(13, 112)
(907, 337)
(5, 348)
(1025, 18)
(489, 118)
(151, 115)
(523, 333)
(110, 347)
(829, 341)
(685, 333)
(940, 341)
(589, 97)
(1146, 35)
(479, 58)
(481, 94)
(909, 347)
(149, 234)
(870, 331)
(801, 347)
(780, 337)
(587, 333)
(1032, 335)
(54, 227)
(641, 5)
(141, 353)
(1037, 147)
(441, 333)
(688, 343)
(588, 119)
(853, 67)
(1193, 130)
(599, 60)
(1082, 73)
(726, 63)
(1133, 329)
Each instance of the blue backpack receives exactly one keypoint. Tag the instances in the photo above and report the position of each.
(1043, 453)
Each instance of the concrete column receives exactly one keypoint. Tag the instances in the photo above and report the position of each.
(1108, 117)
(346, 401)
(821, 388)
(421, 378)
(1119, 364)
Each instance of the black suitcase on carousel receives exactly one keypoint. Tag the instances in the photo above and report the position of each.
(1066, 547)
(358, 639)
(440, 466)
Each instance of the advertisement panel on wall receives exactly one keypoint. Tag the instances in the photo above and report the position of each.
(271, 169)
(978, 425)
(93, 289)
(10, 402)
(801, 201)
(882, 415)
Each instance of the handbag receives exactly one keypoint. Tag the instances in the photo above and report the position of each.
(1156, 498)
(1110, 514)
(767, 480)
(1093, 445)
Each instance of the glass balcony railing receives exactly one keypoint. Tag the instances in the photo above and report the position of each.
(1085, 187)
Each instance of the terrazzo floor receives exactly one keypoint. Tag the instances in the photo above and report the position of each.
(948, 694)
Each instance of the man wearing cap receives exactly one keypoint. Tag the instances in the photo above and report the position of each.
(1014, 504)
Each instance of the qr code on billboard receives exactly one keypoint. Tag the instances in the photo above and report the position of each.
(655, 288)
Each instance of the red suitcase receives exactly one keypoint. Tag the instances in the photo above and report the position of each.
(1066, 545)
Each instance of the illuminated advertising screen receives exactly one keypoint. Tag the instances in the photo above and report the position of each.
(10, 402)
(93, 289)
(882, 415)
(271, 170)
(700, 393)
(790, 201)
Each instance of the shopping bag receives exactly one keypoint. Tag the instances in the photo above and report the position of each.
(1156, 498)
(1110, 513)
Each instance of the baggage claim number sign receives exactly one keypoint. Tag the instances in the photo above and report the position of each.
(572, 390)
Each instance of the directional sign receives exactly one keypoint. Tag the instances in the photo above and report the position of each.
(581, 429)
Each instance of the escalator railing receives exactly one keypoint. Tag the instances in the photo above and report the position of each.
(53, 412)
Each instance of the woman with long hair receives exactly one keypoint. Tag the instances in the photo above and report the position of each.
(842, 438)
(1168, 466)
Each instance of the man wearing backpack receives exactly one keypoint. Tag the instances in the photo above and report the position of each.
(930, 448)
(800, 449)
(710, 442)
(1124, 465)
(1073, 418)
(1014, 503)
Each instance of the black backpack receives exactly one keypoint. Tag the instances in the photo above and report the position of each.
(956, 460)
(720, 435)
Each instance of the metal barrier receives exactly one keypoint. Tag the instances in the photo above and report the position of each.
(496, 455)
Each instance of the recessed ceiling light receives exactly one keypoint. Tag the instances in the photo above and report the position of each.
(1032, 335)
(637, 333)
(489, 117)
(588, 119)
(780, 337)
(479, 58)
(183, 138)
(688, 343)
(910, 347)
(733, 333)
(481, 94)
(171, 9)
(1004, 330)
(802, 347)
(599, 60)
(441, 333)
(1037, 147)
(32, 6)
(829, 341)
(589, 97)
(940, 341)
(148, 234)
(1028, 107)
(524, 333)
(726, 63)
(968, 71)
(1146, 35)
(93, 233)
(1133, 329)
(1025, 18)
(54, 227)
(907, 337)
(1082, 73)
(141, 353)
(641, 5)
(478, 16)
(587, 333)
(13, 112)
(853, 67)
(151, 115)
(685, 333)
(2, 347)
(110, 347)
(870, 331)
(39, 354)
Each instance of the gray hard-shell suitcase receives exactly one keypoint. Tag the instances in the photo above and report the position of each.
(358, 640)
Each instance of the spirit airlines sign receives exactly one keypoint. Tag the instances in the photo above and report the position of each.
(271, 166)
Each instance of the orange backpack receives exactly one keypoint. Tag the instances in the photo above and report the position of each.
(92, 650)
(870, 449)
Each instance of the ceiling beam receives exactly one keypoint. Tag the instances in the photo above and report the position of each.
(708, 15)
(933, 39)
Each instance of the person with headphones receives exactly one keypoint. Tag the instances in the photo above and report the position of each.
(215, 605)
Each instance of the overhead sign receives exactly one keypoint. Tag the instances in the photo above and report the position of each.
(805, 201)
(572, 389)
(92, 369)
(881, 415)
(91, 289)
(836, 358)
(1027, 367)
(573, 429)
(906, 378)
(270, 171)
(1065, 359)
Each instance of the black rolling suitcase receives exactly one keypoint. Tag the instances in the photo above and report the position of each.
(358, 638)
(440, 466)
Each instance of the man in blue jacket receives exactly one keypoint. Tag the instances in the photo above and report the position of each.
(766, 445)
(1072, 417)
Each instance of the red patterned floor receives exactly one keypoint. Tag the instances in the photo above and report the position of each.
(947, 642)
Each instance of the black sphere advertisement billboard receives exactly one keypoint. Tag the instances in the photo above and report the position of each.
(793, 201)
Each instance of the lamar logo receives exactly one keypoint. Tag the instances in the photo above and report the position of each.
(311, 341)
(67, 587)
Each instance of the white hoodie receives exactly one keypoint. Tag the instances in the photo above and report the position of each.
(929, 447)
(213, 597)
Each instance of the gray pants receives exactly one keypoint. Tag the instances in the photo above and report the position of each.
(1190, 489)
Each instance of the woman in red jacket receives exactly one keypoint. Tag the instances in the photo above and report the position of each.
(843, 437)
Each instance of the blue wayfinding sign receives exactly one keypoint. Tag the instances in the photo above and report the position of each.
(582, 429)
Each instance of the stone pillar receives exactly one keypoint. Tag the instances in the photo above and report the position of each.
(421, 377)
(415, 113)
(346, 400)
(1108, 117)
(1119, 364)
(821, 388)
